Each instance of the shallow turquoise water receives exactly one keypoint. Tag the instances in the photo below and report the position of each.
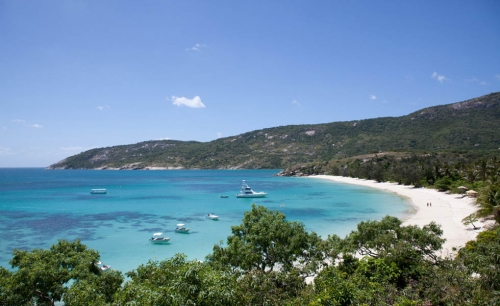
(38, 207)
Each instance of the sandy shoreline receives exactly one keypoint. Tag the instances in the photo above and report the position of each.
(448, 210)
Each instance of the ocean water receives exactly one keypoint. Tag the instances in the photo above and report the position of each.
(38, 207)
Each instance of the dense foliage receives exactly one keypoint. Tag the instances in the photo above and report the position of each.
(443, 171)
(43, 277)
(470, 126)
(266, 242)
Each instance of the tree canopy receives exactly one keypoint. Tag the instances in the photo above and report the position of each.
(43, 277)
(267, 242)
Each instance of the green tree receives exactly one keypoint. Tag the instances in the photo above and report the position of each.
(271, 288)
(270, 257)
(265, 241)
(42, 277)
(489, 202)
(399, 267)
(470, 219)
(176, 281)
(408, 247)
(443, 183)
(97, 289)
(481, 256)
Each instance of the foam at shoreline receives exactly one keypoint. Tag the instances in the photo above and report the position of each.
(448, 210)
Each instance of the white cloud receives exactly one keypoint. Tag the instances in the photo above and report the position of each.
(498, 76)
(476, 80)
(37, 126)
(183, 101)
(5, 151)
(441, 78)
(295, 102)
(219, 134)
(196, 47)
(19, 120)
(100, 107)
(373, 97)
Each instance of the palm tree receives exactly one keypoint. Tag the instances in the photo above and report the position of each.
(482, 166)
(493, 170)
(489, 202)
(471, 175)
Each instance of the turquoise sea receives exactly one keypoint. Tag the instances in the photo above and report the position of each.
(38, 207)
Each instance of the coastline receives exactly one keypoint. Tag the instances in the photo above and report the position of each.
(448, 210)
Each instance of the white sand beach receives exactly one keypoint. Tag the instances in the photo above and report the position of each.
(448, 210)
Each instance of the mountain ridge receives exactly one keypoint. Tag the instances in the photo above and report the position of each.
(467, 125)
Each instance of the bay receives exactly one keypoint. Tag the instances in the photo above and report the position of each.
(38, 207)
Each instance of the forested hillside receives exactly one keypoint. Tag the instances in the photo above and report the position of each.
(469, 126)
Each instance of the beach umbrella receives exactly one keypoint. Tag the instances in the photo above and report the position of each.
(462, 187)
(471, 193)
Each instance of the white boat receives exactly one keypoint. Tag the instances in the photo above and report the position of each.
(99, 191)
(247, 192)
(159, 239)
(105, 267)
(181, 228)
(212, 216)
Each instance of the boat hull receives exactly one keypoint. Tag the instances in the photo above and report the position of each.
(253, 195)
(160, 241)
(98, 191)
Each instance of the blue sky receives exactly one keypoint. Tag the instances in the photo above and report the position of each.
(76, 75)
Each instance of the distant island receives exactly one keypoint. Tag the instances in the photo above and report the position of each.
(469, 126)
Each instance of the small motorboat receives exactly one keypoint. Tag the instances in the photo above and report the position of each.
(159, 239)
(105, 267)
(247, 192)
(212, 216)
(224, 196)
(181, 228)
(98, 191)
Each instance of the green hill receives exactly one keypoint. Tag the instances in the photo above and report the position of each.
(471, 125)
